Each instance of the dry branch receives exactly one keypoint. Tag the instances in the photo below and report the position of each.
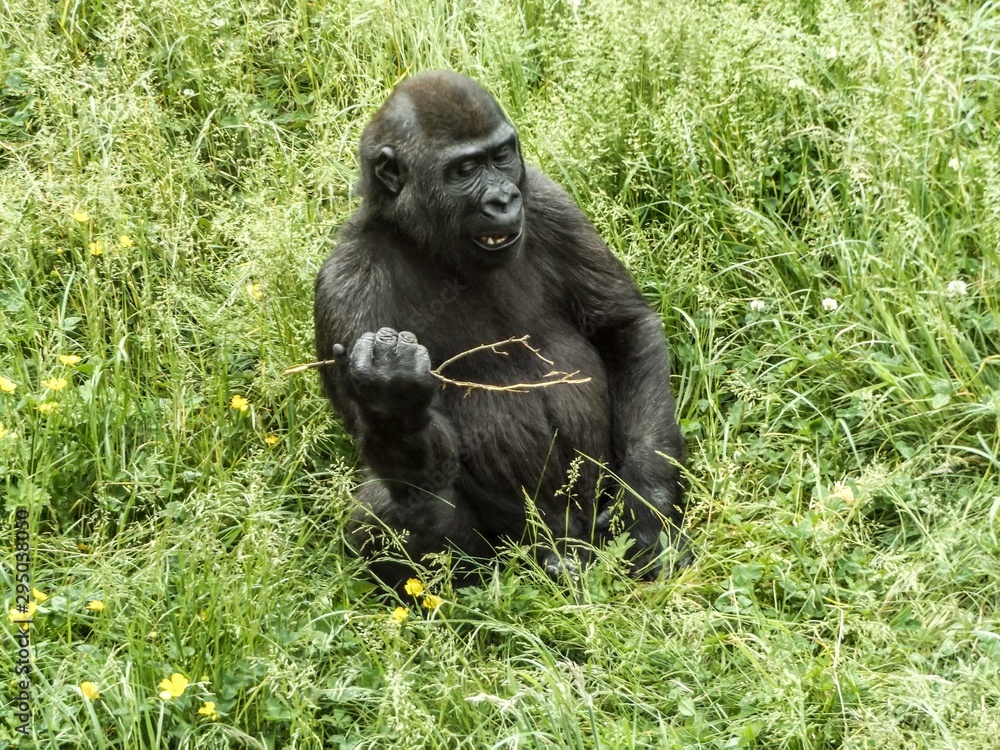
(558, 377)
(565, 378)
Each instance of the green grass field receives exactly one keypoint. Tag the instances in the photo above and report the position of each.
(808, 191)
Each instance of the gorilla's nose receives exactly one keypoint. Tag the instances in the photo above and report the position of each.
(503, 205)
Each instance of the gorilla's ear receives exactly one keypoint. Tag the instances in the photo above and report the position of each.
(388, 170)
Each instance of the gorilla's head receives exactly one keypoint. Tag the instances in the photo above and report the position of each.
(441, 164)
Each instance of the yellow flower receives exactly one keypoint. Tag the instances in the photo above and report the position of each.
(7, 386)
(432, 602)
(48, 407)
(271, 439)
(39, 595)
(81, 216)
(95, 605)
(56, 384)
(70, 360)
(18, 616)
(174, 687)
(414, 587)
(208, 709)
(239, 403)
(89, 690)
(255, 291)
(96, 247)
(399, 614)
(125, 241)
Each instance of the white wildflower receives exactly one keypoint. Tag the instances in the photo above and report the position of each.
(796, 84)
(843, 492)
(757, 305)
(957, 288)
(954, 163)
(830, 304)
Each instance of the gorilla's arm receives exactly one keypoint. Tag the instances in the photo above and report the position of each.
(609, 309)
(643, 423)
(382, 385)
(404, 438)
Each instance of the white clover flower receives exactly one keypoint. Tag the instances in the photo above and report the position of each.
(843, 492)
(757, 305)
(188, 92)
(830, 53)
(957, 288)
(954, 163)
(796, 84)
(830, 304)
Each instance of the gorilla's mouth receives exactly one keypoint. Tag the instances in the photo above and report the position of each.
(497, 241)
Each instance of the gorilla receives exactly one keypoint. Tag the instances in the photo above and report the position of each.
(456, 244)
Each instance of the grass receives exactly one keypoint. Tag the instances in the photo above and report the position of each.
(845, 500)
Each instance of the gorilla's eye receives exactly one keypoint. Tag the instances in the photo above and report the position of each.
(503, 155)
(466, 168)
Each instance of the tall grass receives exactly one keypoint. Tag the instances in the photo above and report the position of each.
(809, 193)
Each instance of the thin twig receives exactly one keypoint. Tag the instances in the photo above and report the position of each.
(565, 378)
(511, 340)
(309, 366)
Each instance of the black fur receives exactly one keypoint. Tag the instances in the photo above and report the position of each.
(449, 466)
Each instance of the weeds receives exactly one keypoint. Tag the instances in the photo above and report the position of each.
(808, 192)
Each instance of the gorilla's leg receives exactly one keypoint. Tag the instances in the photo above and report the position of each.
(423, 523)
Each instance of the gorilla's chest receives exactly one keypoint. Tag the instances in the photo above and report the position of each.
(513, 442)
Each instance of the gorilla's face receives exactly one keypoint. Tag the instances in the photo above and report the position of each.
(483, 177)
(442, 165)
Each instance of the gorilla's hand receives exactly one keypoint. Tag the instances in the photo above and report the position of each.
(561, 568)
(659, 547)
(389, 375)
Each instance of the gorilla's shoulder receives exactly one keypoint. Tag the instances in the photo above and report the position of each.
(556, 221)
(545, 191)
(356, 254)
(352, 282)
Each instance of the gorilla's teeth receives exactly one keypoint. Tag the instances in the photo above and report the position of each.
(490, 240)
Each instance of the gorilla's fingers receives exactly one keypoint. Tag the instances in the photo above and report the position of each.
(423, 360)
(385, 343)
(557, 567)
(406, 347)
(361, 355)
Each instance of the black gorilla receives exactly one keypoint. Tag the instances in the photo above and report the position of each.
(458, 244)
